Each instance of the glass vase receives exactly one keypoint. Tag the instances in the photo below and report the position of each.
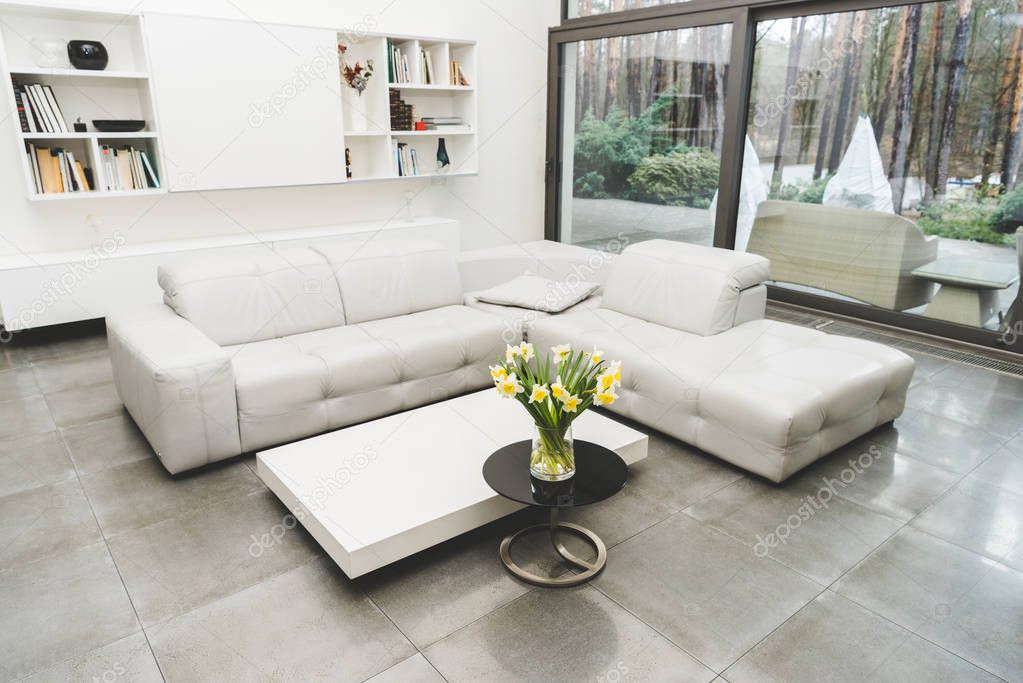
(552, 457)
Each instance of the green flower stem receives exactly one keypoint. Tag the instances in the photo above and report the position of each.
(553, 454)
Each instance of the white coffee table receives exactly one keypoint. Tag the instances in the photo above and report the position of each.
(376, 492)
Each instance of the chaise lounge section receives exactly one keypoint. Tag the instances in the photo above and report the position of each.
(705, 367)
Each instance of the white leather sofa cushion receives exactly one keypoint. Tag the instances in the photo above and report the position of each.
(537, 293)
(383, 279)
(683, 286)
(768, 396)
(251, 297)
(309, 383)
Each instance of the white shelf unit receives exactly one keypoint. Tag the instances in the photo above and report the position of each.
(121, 91)
(369, 138)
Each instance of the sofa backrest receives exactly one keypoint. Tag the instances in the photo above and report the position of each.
(684, 286)
(386, 278)
(253, 295)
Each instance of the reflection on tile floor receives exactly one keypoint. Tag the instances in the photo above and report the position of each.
(110, 569)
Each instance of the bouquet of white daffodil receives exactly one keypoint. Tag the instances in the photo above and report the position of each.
(555, 391)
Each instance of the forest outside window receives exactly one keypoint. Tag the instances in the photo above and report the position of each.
(642, 133)
(883, 158)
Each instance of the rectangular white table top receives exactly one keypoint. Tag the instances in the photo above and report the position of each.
(379, 491)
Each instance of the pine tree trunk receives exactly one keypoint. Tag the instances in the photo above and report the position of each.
(1005, 93)
(881, 119)
(829, 107)
(956, 67)
(1015, 102)
(937, 50)
(901, 132)
(845, 95)
(796, 33)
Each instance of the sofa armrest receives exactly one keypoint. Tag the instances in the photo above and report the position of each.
(177, 384)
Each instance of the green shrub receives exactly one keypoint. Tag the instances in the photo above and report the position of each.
(608, 148)
(961, 221)
(678, 178)
(1009, 214)
(590, 185)
(807, 192)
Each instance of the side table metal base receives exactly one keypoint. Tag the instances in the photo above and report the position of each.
(590, 569)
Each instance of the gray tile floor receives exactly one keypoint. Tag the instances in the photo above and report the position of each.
(908, 567)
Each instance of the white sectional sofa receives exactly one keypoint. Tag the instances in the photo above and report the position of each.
(255, 352)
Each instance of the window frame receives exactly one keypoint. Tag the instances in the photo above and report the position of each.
(743, 15)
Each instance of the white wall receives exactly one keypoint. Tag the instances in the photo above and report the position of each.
(504, 203)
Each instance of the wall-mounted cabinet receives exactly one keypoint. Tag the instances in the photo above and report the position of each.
(33, 55)
(242, 104)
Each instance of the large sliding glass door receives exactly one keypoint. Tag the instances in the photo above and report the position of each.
(871, 150)
(642, 129)
(886, 147)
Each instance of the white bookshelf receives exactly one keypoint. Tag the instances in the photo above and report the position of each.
(368, 135)
(121, 91)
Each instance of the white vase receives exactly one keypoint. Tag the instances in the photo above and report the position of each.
(356, 113)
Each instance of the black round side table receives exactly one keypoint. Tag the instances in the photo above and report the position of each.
(599, 474)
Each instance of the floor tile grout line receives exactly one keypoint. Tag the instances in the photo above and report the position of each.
(830, 587)
(654, 629)
(404, 635)
(113, 561)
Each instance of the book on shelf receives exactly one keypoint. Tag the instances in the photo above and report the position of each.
(448, 123)
(402, 115)
(38, 110)
(405, 159)
(427, 68)
(398, 70)
(56, 170)
(457, 74)
(127, 168)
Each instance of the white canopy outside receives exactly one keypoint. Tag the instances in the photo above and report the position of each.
(861, 181)
(752, 193)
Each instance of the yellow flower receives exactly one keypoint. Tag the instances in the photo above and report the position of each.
(540, 393)
(558, 389)
(571, 403)
(526, 351)
(510, 353)
(498, 372)
(605, 398)
(616, 371)
(605, 381)
(510, 386)
(596, 356)
(561, 352)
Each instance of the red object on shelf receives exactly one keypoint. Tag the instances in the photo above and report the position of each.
(420, 125)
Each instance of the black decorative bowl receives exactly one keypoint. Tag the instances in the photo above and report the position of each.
(118, 125)
(89, 55)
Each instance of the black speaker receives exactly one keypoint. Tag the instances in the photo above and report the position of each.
(87, 54)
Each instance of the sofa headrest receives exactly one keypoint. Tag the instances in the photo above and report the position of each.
(253, 294)
(683, 286)
(382, 278)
